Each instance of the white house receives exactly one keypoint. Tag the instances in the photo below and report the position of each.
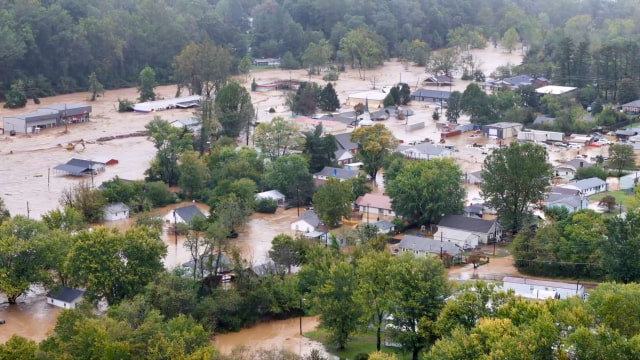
(64, 297)
(569, 169)
(587, 187)
(421, 246)
(487, 231)
(570, 202)
(424, 151)
(116, 211)
(540, 289)
(629, 181)
(384, 226)
(271, 195)
(344, 157)
(462, 238)
(307, 222)
(375, 205)
(339, 173)
(184, 214)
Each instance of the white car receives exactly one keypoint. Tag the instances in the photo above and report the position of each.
(603, 142)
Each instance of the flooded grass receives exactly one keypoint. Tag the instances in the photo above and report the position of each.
(360, 343)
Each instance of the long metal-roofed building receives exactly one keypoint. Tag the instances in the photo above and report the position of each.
(47, 117)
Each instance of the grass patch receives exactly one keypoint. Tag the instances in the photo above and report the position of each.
(359, 343)
(621, 196)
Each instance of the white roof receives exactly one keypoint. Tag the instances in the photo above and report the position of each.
(375, 95)
(164, 104)
(554, 89)
(271, 194)
(115, 208)
(544, 283)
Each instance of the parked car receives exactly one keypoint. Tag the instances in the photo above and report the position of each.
(2, 321)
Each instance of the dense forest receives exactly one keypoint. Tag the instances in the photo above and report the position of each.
(53, 46)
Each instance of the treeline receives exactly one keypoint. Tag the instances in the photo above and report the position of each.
(54, 46)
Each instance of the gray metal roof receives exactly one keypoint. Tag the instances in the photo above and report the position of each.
(543, 119)
(436, 94)
(337, 173)
(589, 183)
(635, 103)
(310, 217)
(466, 223)
(414, 243)
(73, 169)
(65, 294)
(384, 225)
(503, 125)
(188, 213)
(69, 109)
(571, 200)
(39, 114)
(344, 141)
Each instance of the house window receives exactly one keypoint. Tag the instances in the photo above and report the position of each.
(531, 288)
(380, 211)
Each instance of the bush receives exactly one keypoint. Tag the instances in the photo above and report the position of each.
(125, 105)
(266, 206)
(331, 76)
(159, 193)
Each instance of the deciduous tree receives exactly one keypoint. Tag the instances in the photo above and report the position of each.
(147, 84)
(621, 157)
(333, 201)
(274, 138)
(95, 87)
(375, 143)
(622, 247)
(287, 251)
(515, 177)
(290, 175)
(510, 39)
(234, 110)
(170, 143)
(203, 68)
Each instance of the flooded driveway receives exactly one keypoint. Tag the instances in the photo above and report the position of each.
(31, 317)
(273, 335)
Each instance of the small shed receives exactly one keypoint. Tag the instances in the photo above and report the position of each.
(64, 297)
(272, 195)
(306, 222)
(421, 246)
(116, 211)
(502, 130)
(184, 214)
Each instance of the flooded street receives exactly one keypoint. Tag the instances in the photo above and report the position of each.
(31, 317)
(495, 270)
(273, 335)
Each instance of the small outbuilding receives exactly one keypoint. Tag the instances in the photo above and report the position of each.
(184, 214)
(542, 289)
(307, 222)
(421, 246)
(272, 195)
(64, 297)
(375, 205)
(502, 130)
(116, 211)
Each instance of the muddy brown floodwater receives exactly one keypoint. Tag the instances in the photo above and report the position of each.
(275, 334)
(31, 317)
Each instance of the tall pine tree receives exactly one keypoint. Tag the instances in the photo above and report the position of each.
(329, 99)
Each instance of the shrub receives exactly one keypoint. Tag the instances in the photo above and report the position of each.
(125, 105)
(266, 206)
(331, 76)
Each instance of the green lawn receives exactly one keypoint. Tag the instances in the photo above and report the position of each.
(360, 343)
(621, 197)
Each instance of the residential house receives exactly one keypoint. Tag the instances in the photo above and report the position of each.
(424, 151)
(344, 157)
(629, 181)
(206, 262)
(268, 268)
(306, 222)
(587, 187)
(344, 143)
(376, 205)
(631, 107)
(116, 211)
(332, 172)
(488, 231)
(191, 124)
(512, 83)
(569, 169)
(475, 178)
(461, 238)
(274, 195)
(64, 297)
(502, 130)
(436, 96)
(570, 202)
(542, 289)
(375, 98)
(544, 120)
(80, 167)
(554, 90)
(438, 80)
(266, 62)
(422, 246)
(384, 226)
(184, 214)
(474, 210)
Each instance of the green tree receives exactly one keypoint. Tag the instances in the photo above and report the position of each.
(424, 191)
(114, 266)
(628, 91)
(419, 52)
(18, 348)
(476, 103)
(305, 100)
(234, 110)
(95, 87)
(4, 212)
(510, 39)
(591, 171)
(193, 173)
(147, 84)
(328, 100)
(85, 199)
(375, 144)
(454, 107)
(514, 178)
(203, 68)
(287, 251)
(21, 256)
(170, 143)
(362, 47)
(244, 66)
(375, 288)
(420, 288)
(316, 55)
(16, 97)
(274, 138)
(66, 219)
(332, 202)
(621, 247)
(334, 301)
(621, 157)
(615, 307)
(359, 186)
(319, 149)
(290, 175)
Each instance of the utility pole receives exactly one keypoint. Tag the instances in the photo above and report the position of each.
(441, 240)
(28, 210)
(48, 178)
(175, 228)
(298, 199)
